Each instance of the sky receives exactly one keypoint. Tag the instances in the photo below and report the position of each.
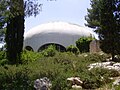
(72, 11)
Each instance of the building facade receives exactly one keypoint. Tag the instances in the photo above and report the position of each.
(61, 34)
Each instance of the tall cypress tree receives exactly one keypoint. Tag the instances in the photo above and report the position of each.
(15, 26)
(15, 31)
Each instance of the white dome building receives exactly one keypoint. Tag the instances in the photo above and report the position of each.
(60, 33)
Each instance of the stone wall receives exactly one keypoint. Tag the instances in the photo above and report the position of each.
(94, 46)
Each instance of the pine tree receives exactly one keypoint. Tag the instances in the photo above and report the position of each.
(107, 16)
(93, 16)
(109, 32)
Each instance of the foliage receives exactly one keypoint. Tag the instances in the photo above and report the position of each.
(50, 51)
(73, 49)
(93, 19)
(14, 38)
(3, 12)
(3, 59)
(106, 21)
(9, 78)
(32, 7)
(30, 56)
(2, 55)
(117, 87)
(15, 27)
(83, 43)
(2, 32)
(109, 32)
(13, 12)
(96, 57)
(57, 68)
(96, 78)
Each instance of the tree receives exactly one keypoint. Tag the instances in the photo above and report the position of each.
(92, 18)
(3, 11)
(109, 32)
(18, 9)
(15, 31)
(107, 14)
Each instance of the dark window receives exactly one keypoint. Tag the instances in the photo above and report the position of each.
(58, 47)
(29, 48)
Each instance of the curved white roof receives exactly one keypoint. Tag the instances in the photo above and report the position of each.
(58, 27)
(55, 32)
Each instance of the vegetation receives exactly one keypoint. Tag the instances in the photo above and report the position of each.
(12, 15)
(14, 32)
(57, 68)
(73, 49)
(109, 31)
(50, 51)
(15, 27)
(105, 18)
(83, 43)
(3, 11)
(55, 65)
(93, 19)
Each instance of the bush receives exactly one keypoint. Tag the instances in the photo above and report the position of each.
(73, 49)
(30, 56)
(50, 51)
(83, 44)
(95, 57)
(97, 77)
(14, 78)
(3, 59)
(57, 69)
(2, 55)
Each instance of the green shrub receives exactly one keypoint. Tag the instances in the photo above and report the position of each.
(3, 59)
(95, 57)
(73, 49)
(104, 74)
(30, 56)
(57, 68)
(14, 78)
(60, 82)
(96, 78)
(83, 43)
(50, 51)
(23, 76)
(113, 73)
(2, 55)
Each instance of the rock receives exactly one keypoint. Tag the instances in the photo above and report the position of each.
(116, 64)
(70, 79)
(75, 82)
(42, 84)
(37, 84)
(76, 87)
(107, 65)
(85, 55)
